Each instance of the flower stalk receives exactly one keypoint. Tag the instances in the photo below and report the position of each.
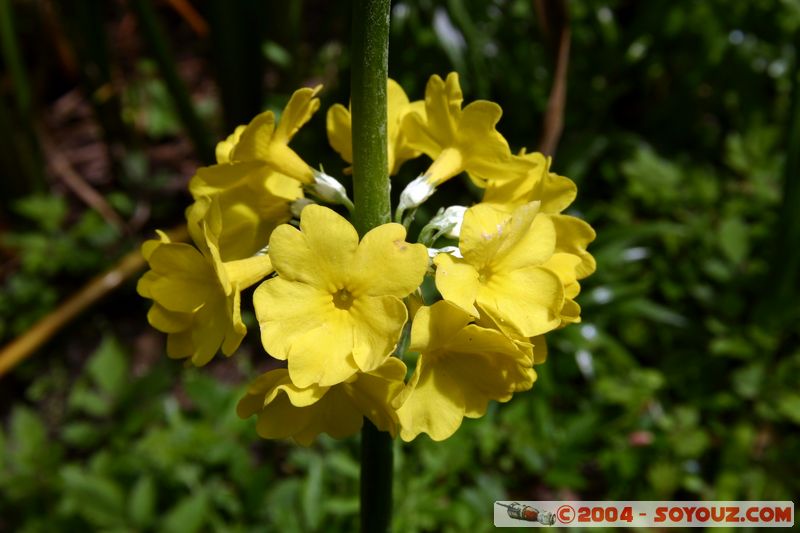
(368, 82)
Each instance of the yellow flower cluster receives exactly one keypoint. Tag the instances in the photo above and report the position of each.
(336, 307)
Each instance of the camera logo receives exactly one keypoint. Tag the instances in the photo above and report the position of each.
(527, 513)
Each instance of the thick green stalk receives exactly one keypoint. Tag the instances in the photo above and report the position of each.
(370, 60)
(153, 33)
(370, 64)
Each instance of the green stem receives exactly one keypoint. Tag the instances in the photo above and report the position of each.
(370, 52)
(155, 37)
(370, 60)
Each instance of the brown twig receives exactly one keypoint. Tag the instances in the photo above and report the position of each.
(553, 18)
(62, 168)
(190, 15)
(26, 344)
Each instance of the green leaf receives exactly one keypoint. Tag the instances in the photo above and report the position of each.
(108, 367)
(734, 239)
(188, 515)
(80, 434)
(85, 400)
(312, 493)
(29, 436)
(98, 499)
(142, 502)
(48, 211)
(789, 406)
(747, 381)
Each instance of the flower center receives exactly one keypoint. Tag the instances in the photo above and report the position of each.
(342, 299)
(484, 274)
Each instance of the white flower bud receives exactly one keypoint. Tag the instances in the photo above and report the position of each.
(415, 194)
(328, 189)
(449, 221)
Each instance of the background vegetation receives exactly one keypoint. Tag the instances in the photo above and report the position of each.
(682, 382)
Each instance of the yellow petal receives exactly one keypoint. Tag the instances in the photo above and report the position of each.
(556, 193)
(376, 326)
(246, 272)
(302, 105)
(531, 241)
(430, 331)
(448, 163)
(418, 137)
(515, 186)
(488, 365)
(288, 309)
(539, 349)
(324, 355)
(185, 280)
(255, 139)
(339, 131)
(486, 152)
(266, 387)
(461, 368)
(457, 282)
(262, 142)
(565, 266)
(372, 393)
(224, 148)
(327, 241)
(574, 235)
(435, 404)
(333, 414)
(236, 329)
(215, 179)
(168, 321)
(179, 345)
(529, 299)
(321, 228)
(385, 264)
(482, 233)
(149, 246)
(208, 332)
(443, 106)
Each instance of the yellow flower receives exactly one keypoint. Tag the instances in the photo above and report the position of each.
(196, 295)
(537, 183)
(263, 141)
(340, 128)
(461, 367)
(253, 201)
(503, 271)
(570, 261)
(456, 139)
(335, 307)
(286, 410)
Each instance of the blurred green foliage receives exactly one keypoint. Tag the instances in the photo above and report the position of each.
(676, 385)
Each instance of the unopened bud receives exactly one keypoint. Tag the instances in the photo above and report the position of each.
(328, 189)
(448, 222)
(415, 194)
